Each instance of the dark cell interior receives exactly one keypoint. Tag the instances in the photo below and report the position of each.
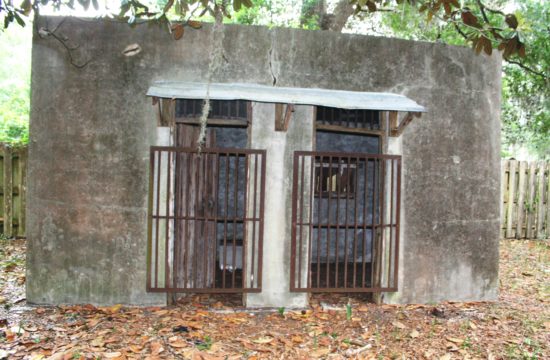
(362, 119)
(219, 109)
(345, 203)
(227, 172)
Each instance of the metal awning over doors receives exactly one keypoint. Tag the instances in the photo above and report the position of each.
(285, 95)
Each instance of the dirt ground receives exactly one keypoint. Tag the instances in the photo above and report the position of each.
(515, 327)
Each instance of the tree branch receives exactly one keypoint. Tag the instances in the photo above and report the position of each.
(527, 68)
(482, 9)
(459, 30)
(342, 12)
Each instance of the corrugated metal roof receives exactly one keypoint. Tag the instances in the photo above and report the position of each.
(262, 93)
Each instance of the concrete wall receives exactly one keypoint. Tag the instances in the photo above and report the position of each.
(91, 128)
(280, 148)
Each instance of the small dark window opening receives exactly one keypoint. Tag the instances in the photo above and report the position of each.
(219, 109)
(357, 119)
(335, 179)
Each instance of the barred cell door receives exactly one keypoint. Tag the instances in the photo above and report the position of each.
(205, 220)
(345, 222)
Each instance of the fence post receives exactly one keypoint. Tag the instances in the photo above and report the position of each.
(8, 191)
(548, 200)
(531, 201)
(21, 229)
(503, 182)
(521, 199)
(540, 200)
(511, 197)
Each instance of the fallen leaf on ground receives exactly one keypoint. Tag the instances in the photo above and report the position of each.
(112, 355)
(320, 352)
(455, 340)
(398, 325)
(263, 340)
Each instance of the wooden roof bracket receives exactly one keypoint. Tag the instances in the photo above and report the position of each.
(397, 129)
(282, 116)
(166, 111)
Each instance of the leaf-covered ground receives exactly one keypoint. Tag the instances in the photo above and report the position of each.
(515, 327)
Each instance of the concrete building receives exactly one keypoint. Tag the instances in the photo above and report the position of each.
(331, 162)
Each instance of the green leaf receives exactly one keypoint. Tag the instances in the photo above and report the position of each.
(19, 19)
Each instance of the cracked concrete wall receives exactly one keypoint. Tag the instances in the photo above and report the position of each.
(91, 128)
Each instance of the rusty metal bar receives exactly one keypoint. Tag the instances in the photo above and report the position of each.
(194, 255)
(157, 227)
(348, 170)
(300, 254)
(150, 219)
(337, 242)
(355, 222)
(329, 196)
(225, 217)
(319, 188)
(253, 263)
(187, 185)
(216, 183)
(391, 172)
(167, 230)
(310, 219)
(373, 222)
(235, 210)
(206, 221)
(294, 225)
(397, 222)
(245, 204)
(261, 230)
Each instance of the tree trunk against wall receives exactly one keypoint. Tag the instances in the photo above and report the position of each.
(335, 21)
(195, 243)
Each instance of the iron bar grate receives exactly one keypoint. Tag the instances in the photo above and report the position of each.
(345, 222)
(205, 220)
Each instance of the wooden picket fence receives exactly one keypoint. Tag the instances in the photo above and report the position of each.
(525, 211)
(13, 190)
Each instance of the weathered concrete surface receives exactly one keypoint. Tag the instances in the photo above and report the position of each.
(280, 148)
(91, 129)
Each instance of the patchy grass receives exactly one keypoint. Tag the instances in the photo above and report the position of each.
(201, 327)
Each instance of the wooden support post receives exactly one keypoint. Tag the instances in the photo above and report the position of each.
(168, 112)
(397, 130)
(393, 120)
(282, 116)
(8, 192)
